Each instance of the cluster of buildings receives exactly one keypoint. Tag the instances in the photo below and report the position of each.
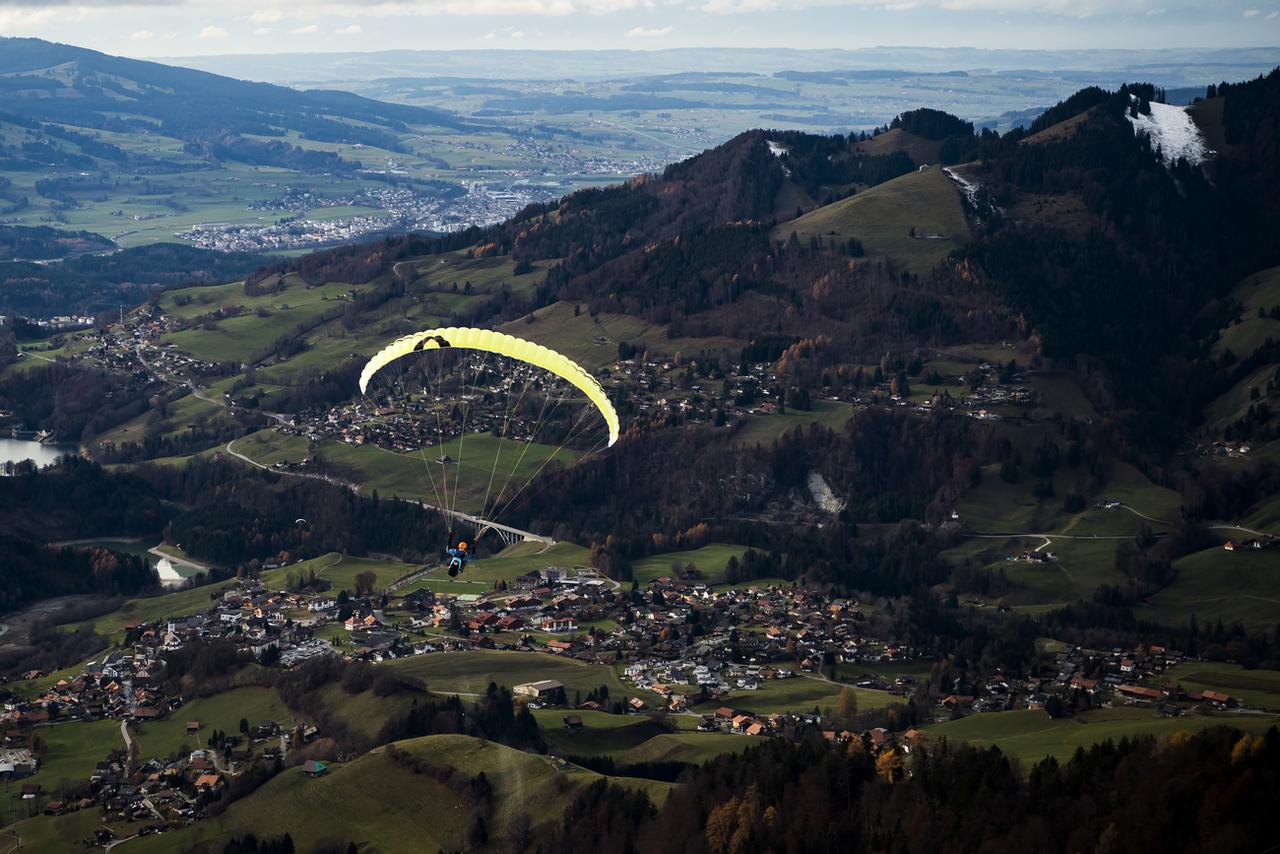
(60, 322)
(171, 791)
(1134, 676)
(1257, 544)
(124, 684)
(687, 643)
(392, 209)
(548, 159)
(408, 425)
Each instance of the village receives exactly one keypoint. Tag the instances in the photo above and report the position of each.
(659, 389)
(684, 646)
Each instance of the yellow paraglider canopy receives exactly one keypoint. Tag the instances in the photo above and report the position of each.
(469, 338)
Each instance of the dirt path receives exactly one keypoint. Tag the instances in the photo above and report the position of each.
(185, 561)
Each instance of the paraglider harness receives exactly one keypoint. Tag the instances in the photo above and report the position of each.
(459, 555)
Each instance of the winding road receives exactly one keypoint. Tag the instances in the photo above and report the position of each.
(354, 487)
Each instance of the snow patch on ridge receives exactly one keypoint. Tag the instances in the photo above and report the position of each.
(777, 149)
(968, 188)
(1172, 131)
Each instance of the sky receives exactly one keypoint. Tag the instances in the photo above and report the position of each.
(173, 28)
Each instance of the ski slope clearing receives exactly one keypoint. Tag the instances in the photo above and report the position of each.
(1173, 132)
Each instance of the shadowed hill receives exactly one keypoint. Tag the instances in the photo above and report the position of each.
(56, 82)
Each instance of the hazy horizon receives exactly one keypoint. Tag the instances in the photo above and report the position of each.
(163, 29)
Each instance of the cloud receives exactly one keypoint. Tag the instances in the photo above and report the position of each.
(648, 32)
(212, 32)
(1252, 13)
(264, 31)
(305, 31)
(1062, 8)
(508, 32)
(141, 36)
(349, 30)
(273, 11)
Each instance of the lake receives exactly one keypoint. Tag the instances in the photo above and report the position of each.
(172, 574)
(17, 450)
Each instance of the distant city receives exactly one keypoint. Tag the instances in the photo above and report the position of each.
(506, 193)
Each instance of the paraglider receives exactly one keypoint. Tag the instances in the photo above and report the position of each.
(459, 556)
(522, 406)
(503, 345)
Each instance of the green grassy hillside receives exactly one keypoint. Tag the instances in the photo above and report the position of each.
(72, 751)
(1033, 735)
(593, 342)
(1259, 291)
(600, 734)
(920, 149)
(710, 560)
(1216, 584)
(383, 806)
(882, 218)
(219, 712)
(1259, 689)
(462, 483)
(469, 673)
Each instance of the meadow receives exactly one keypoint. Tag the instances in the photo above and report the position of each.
(592, 340)
(341, 570)
(167, 737)
(765, 428)
(795, 694)
(1216, 584)
(73, 749)
(1256, 689)
(468, 674)
(1258, 291)
(1031, 735)
(882, 219)
(381, 805)
(463, 483)
(710, 560)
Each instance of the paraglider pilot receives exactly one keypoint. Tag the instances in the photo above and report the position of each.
(459, 556)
